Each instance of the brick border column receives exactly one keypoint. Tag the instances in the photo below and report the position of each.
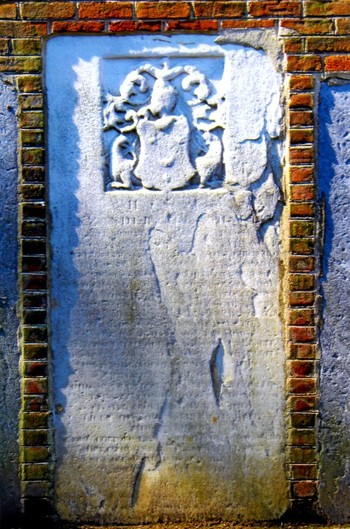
(302, 367)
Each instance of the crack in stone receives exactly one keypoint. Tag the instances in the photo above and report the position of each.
(216, 370)
(137, 482)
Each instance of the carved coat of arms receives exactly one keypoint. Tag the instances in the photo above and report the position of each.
(168, 130)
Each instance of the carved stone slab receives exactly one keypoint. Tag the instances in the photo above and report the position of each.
(164, 173)
(334, 180)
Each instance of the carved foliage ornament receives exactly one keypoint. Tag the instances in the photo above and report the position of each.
(169, 128)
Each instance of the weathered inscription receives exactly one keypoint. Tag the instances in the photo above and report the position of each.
(167, 343)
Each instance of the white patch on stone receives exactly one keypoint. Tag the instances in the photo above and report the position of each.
(166, 337)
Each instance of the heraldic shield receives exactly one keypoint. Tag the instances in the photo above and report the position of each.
(164, 161)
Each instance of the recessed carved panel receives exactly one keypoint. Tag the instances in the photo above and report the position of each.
(169, 122)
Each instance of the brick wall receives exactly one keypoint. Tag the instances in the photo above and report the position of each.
(316, 43)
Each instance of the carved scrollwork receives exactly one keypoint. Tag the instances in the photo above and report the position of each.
(169, 128)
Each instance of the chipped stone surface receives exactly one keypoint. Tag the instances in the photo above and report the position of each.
(166, 337)
(9, 369)
(334, 183)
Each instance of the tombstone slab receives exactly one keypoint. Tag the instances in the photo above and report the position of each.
(164, 177)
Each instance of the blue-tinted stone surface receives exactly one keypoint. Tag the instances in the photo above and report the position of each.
(334, 186)
(9, 372)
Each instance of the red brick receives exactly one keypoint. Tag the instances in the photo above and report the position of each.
(342, 26)
(303, 471)
(162, 10)
(32, 156)
(298, 156)
(31, 173)
(301, 82)
(35, 420)
(302, 210)
(294, 45)
(302, 334)
(34, 437)
(322, 8)
(301, 155)
(34, 317)
(301, 101)
(33, 264)
(301, 228)
(35, 471)
(301, 317)
(34, 368)
(304, 489)
(23, 29)
(299, 437)
(134, 25)
(34, 301)
(33, 246)
(301, 454)
(301, 385)
(302, 420)
(301, 136)
(304, 63)
(34, 334)
(77, 27)
(195, 25)
(35, 454)
(301, 298)
(105, 10)
(303, 351)
(29, 83)
(301, 264)
(35, 489)
(32, 192)
(35, 403)
(20, 64)
(301, 175)
(26, 46)
(8, 11)
(31, 138)
(328, 44)
(34, 211)
(337, 63)
(301, 118)
(35, 386)
(301, 282)
(246, 24)
(40, 10)
(302, 192)
(302, 368)
(300, 403)
(308, 27)
(34, 281)
(218, 9)
(35, 351)
(302, 246)
(274, 8)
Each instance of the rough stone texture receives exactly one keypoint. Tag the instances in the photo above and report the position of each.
(166, 337)
(334, 179)
(9, 370)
